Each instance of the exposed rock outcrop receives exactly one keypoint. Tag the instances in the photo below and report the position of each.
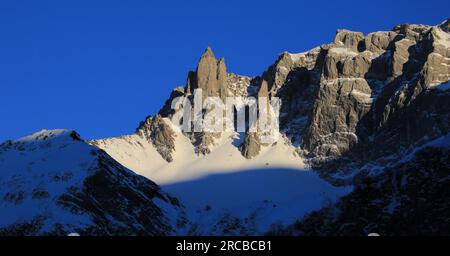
(339, 97)
(210, 76)
(158, 131)
(251, 146)
(408, 199)
(356, 96)
(349, 39)
(359, 109)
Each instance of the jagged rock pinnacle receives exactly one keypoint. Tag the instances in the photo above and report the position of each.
(210, 76)
(208, 53)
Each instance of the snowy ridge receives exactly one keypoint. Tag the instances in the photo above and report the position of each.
(133, 152)
(136, 153)
(355, 110)
(29, 179)
(49, 180)
(219, 189)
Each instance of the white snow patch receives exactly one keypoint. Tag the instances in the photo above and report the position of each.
(342, 51)
(138, 154)
(297, 56)
(362, 96)
(258, 198)
(133, 152)
(35, 170)
(275, 187)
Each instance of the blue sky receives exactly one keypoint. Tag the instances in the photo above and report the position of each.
(100, 67)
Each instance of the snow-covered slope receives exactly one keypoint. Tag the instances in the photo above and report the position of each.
(224, 192)
(133, 152)
(52, 182)
(409, 198)
(137, 154)
(357, 108)
(252, 201)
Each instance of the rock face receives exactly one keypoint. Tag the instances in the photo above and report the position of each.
(379, 121)
(166, 110)
(370, 110)
(346, 100)
(408, 199)
(359, 109)
(210, 76)
(53, 183)
(349, 39)
(158, 132)
(251, 146)
(354, 108)
(363, 87)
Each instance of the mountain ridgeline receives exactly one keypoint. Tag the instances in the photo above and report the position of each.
(344, 104)
(366, 112)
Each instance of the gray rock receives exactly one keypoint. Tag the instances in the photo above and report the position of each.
(210, 76)
(277, 73)
(166, 110)
(349, 39)
(400, 56)
(379, 41)
(251, 146)
(160, 134)
(341, 97)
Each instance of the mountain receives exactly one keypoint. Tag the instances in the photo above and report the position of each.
(362, 147)
(410, 198)
(223, 192)
(350, 110)
(53, 183)
(349, 102)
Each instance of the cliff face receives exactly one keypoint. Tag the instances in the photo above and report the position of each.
(361, 98)
(410, 198)
(371, 111)
(356, 110)
(384, 99)
(343, 104)
(210, 76)
(358, 83)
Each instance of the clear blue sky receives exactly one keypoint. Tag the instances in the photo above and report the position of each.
(100, 67)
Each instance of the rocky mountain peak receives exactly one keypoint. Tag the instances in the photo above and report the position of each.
(208, 53)
(335, 96)
(353, 109)
(210, 76)
(346, 98)
(349, 39)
